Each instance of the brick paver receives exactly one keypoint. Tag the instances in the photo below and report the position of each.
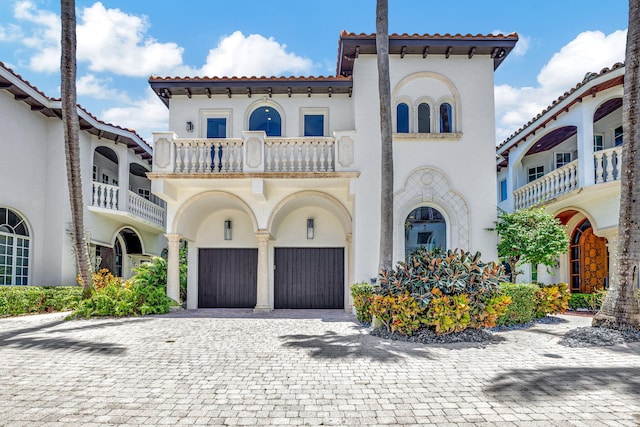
(231, 367)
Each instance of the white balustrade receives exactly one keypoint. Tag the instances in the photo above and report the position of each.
(607, 164)
(105, 196)
(559, 181)
(304, 154)
(207, 155)
(145, 209)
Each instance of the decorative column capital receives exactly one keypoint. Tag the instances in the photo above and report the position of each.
(349, 238)
(173, 238)
(263, 237)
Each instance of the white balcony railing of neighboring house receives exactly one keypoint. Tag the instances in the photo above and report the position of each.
(107, 196)
(254, 154)
(559, 181)
(606, 168)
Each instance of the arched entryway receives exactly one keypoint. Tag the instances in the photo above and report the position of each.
(125, 254)
(426, 227)
(589, 260)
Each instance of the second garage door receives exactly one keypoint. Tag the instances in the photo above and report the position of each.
(309, 278)
(227, 278)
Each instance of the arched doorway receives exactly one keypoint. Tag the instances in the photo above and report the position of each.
(589, 260)
(14, 248)
(266, 119)
(425, 227)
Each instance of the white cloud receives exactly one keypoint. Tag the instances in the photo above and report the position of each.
(44, 40)
(590, 51)
(90, 85)
(10, 33)
(145, 115)
(113, 41)
(253, 55)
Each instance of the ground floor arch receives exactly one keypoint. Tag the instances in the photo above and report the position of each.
(588, 257)
(425, 226)
(124, 255)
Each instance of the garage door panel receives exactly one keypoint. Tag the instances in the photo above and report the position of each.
(227, 278)
(309, 278)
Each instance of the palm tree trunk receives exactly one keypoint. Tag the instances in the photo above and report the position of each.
(386, 170)
(72, 142)
(620, 309)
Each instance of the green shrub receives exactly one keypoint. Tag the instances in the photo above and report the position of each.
(16, 300)
(400, 313)
(448, 313)
(523, 303)
(144, 293)
(452, 272)
(552, 299)
(578, 300)
(362, 294)
(486, 311)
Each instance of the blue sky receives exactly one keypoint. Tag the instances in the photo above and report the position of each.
(122, 42)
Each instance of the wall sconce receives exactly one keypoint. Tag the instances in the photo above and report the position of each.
(227, 230)
(189, 126)
(310, 226)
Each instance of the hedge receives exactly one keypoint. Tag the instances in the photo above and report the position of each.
(16, 300)
(523, 303)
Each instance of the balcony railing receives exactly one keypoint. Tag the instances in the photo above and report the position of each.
(606, 168)
(107, 196)
(253, 153)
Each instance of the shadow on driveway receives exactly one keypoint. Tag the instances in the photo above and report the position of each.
(528, 384)
(325, 315)
(40, 338)
(332, 345)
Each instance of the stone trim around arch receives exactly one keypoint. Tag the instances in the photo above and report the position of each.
(429, 186)
(136, 232)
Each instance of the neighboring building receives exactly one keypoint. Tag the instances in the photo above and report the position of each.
(274, 182)
(567, 159)
(123, 220)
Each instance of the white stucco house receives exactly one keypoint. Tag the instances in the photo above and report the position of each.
(124, 222)
(274, 182)
(568, 160)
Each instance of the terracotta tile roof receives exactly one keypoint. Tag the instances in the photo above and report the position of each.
(251, 79)
(45, 107)
(447, 36)
(520, 133)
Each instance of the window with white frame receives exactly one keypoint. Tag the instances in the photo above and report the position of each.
(144, 192)
(503, 190)
(216, 127)
(535, 173)
(446, 118)
(618, 136)
(598, 142)
(562, 159)
(14, 248)
(314, 121)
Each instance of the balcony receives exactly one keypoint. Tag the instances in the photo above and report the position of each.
(255, 153)
(606, 168)
(107, 199)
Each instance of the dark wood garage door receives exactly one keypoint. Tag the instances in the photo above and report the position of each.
(309, 278)
(227, 278)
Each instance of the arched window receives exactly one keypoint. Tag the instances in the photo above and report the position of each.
(266, 119)
(402, 118)
(424, 226)
(424, 118)
(14, 248)
(446, 120)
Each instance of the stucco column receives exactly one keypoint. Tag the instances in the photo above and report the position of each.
(586, 175)
(173, 267)
(262, 303)
(347, 266)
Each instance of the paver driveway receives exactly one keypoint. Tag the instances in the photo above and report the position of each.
(301, 367)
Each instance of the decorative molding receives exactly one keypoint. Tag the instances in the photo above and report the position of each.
(162, 153)
(345, 151)
(254, 152)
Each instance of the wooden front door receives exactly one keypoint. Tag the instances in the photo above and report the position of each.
(309, 278)
(594, 265)
(227, 278)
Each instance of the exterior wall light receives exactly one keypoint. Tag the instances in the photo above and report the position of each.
(189, 126)
(227, 230)
(310, 228)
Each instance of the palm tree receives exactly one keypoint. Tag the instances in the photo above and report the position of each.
(72, 142)
(386, 170)
(620, 309)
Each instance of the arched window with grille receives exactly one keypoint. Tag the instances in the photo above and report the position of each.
(14, 248)
(424, 118)
(446, 118)
(402, 118)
